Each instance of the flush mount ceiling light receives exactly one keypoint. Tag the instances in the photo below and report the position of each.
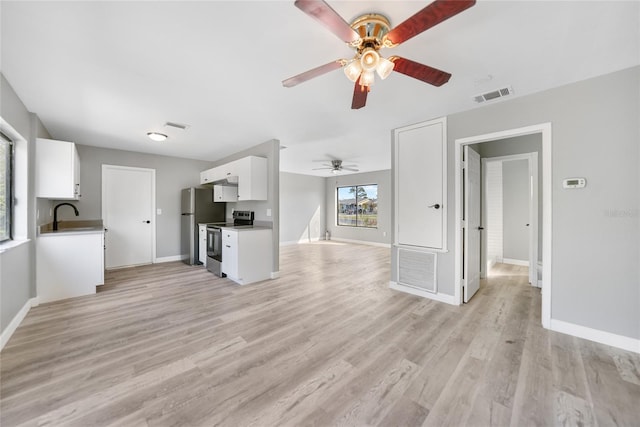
(157, 136)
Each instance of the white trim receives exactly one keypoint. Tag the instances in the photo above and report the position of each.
(275, 275)
(17, 319)
(539, 283)
(440, 297)
(602, 337)
(361, 242)
(153, 203)
(170, 258)
(545, 130)
(10, 244)
(516, 262)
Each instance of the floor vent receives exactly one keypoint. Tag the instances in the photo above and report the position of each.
(417, 269)
(495, 94)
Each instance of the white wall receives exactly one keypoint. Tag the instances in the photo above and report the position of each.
(172, 175)
(17, 264)
(302, 208)
(382, 234)
(595, 134)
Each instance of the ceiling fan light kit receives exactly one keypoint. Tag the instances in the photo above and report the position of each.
(369, 33)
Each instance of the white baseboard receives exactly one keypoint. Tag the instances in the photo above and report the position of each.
(449, 299)
(602, 337)
(362, 242)
(275, 274)
(170, 258)
(515, 262)
(15, 322)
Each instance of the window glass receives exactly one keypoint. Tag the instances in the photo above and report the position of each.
(6, 153)
(357, 206)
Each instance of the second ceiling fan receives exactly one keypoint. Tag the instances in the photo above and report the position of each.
(369, 33)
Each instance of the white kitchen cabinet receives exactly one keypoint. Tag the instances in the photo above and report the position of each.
(69, 265)
(252, 178)
(230, 254)
(249, 173)
(228, 171)
(247, 254)
(57, 170)
(202, 244)
(225, 193)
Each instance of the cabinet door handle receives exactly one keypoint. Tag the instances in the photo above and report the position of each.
(146, 222)
(228, 246)
(436, 206)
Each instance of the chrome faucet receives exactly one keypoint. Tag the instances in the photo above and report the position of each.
(55, 213)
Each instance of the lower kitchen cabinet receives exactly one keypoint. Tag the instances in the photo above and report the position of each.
(247, 254)
(202, 244)
(69, 265)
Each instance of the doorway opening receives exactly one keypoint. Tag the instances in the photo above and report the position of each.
(510, 207)
(471, 249)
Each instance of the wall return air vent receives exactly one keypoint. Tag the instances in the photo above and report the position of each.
(494, 94)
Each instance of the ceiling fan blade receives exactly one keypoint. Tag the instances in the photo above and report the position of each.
(315, 72)
(426, 18)
(350, 169)
(420, 71)
(319, 169)
(359, 96)
(323, 13)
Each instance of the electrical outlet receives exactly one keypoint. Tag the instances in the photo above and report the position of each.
(158, 211)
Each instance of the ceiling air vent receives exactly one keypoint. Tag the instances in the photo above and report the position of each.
(176, 125)
(494, 94)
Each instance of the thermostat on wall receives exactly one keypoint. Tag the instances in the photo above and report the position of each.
(574, 183)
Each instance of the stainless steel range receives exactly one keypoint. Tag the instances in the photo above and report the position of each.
(241, 219)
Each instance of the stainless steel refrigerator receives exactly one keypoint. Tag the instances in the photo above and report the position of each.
(197, 208)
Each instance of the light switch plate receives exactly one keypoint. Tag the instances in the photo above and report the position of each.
(268, 212)
(159, 211)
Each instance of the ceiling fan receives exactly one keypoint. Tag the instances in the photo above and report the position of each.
(336, 166)
(369, 33)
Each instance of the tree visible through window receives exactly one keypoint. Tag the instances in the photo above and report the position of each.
(358, 206)
(6, 153)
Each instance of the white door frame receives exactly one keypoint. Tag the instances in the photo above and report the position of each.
(153, 200)
(545, 130)
(532, 160)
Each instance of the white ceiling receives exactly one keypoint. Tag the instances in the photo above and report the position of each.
(105, 73)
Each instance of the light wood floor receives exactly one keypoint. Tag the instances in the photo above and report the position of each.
(326, 344)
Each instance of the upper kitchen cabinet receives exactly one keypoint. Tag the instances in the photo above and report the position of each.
(249, 173)
(252, 178)
(57, 170)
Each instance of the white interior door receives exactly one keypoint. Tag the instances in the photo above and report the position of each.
(420, 172)
(128, 204)
(472, 227)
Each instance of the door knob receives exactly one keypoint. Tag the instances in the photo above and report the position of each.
(436, 206)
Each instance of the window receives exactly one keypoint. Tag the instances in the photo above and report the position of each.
(358, 206)
(6, 163)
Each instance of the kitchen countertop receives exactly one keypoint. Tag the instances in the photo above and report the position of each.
(244, 227)
(72, 227)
